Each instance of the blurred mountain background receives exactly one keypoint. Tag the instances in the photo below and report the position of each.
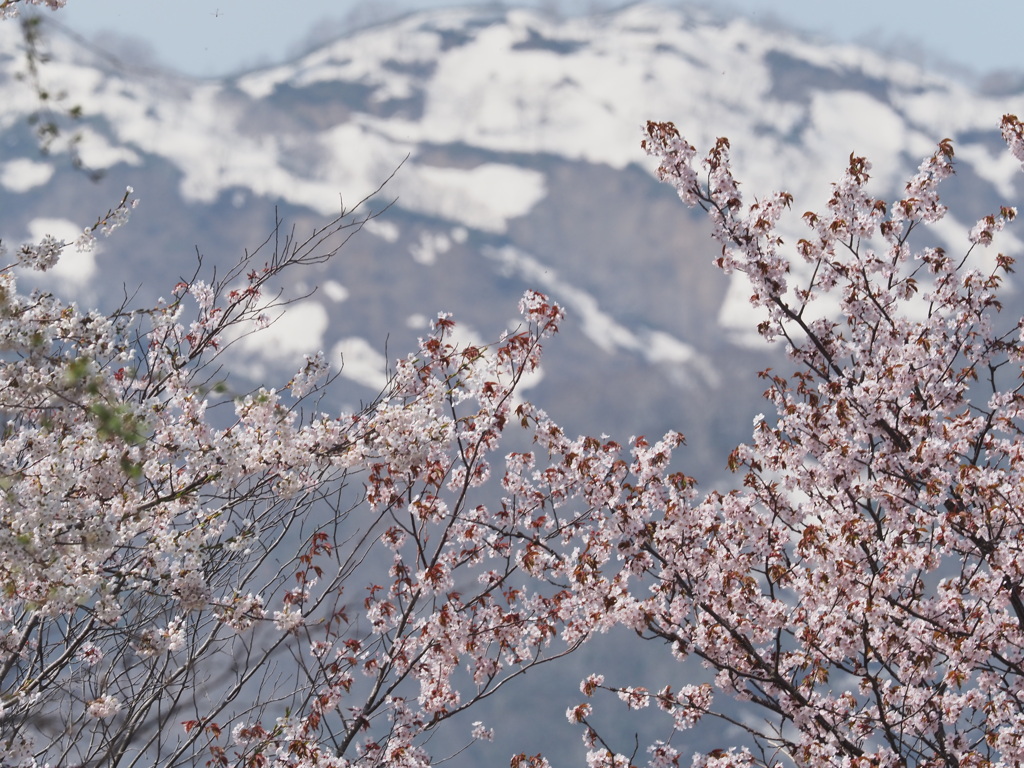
(511, 138)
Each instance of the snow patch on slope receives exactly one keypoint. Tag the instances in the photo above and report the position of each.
(98, 153)
(335, 291)
(430, 245)
(74, 269)
(291, 334)
(360, 362)
(601, 328)
(385, 229)
(22, 175)
(485, 197)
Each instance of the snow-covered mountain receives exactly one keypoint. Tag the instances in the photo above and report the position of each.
(515, 137)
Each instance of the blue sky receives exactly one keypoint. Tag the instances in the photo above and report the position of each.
(216, 37)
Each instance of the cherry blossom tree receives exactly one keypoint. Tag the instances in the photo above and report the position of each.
(859, 600)
(194, 576)
(189, 577)
(10, 8)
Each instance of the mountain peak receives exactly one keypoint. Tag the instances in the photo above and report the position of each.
(515, 136)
